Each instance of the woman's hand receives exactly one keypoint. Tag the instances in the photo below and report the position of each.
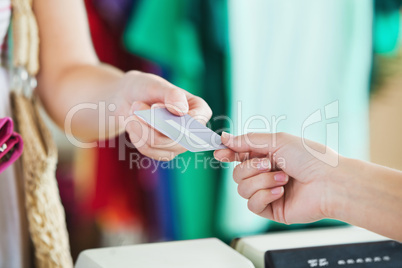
(280, 178)
(141, 91)
(284, 182)
(71, 75)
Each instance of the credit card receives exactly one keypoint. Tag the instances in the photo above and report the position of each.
(185, 130)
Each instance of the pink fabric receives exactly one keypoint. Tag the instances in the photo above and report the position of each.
(10, 143)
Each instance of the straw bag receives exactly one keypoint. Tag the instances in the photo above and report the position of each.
(46, 218)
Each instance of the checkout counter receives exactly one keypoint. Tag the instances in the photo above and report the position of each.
(346, 246)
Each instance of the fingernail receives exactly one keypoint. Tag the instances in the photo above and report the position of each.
(181, 107)
(226, 135)
(277, 190)
(281, 177)
(135, 107)
(264, 164)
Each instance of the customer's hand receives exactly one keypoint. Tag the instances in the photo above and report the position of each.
(141, 91)
(280, 178)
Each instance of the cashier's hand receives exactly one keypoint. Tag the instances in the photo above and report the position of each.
(280, 178)
(141, 91)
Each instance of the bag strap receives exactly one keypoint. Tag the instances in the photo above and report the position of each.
(26, 37)
(25, 48)
(45, 213)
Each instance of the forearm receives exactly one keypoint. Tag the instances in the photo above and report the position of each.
(369, 196)
(79, 98)
(98, 99)
(70, 72)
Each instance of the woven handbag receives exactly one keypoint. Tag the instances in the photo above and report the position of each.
(45, 213)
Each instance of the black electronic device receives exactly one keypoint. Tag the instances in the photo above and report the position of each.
(383, 254)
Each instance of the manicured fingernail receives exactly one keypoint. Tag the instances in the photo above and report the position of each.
(277, 190)
(182, 107)
(226, 135)
(264, 164)
(281, 176)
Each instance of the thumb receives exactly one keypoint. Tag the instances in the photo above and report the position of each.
(251, 142)
(176, 102)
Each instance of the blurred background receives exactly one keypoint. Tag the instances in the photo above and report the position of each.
(260, 57)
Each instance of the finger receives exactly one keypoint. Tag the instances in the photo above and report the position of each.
(247, 188)
(251, 168)
(228, 155)
(275, 211)
(158, 105)
(262, 198)
(160, 90)
(154, 153)
(157, 154)
(137, 128)
(263, 143)
(138, 106)
(199, 109)
(176, 101)
(142, 133)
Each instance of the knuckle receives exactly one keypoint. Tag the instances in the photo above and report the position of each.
(265, 197)
(262, 199)
(241, 190)
(173, 90)
(253, 163)
(207, 110)
(251, 205)
(244, 157)
(236, 174)
(134, 73)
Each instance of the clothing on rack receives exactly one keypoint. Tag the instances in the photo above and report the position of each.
(193, 54)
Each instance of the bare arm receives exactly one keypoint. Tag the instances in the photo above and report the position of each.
(369, 196)
(285, 183)
(70, 70)
(71, 74)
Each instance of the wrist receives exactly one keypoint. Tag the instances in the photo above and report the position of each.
(342, 181)
(115, 110)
